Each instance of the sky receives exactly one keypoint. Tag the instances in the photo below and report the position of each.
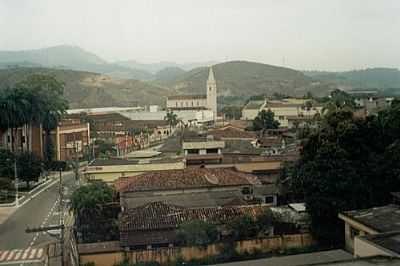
(302, 34)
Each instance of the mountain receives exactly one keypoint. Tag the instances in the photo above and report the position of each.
(168, 74)
(69, 57)
(380, 78)
(156, 67)
(86, 89)
(243, 78)
(62, 55)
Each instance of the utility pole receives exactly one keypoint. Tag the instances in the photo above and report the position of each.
(16, 183)
(61, 211)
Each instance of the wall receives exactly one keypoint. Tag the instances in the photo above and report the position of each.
(363, 248)
(164, 255)
(111, 173)
(187, 103)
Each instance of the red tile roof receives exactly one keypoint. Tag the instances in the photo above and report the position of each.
(230, 132)
(162, 216)
(185, 178)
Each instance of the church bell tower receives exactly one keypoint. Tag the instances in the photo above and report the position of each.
(212, 93)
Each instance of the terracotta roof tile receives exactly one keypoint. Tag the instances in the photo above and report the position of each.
(161, 216)
(185, 178)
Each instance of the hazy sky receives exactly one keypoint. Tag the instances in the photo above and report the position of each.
(304, 34)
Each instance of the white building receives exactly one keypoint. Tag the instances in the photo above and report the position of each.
(197, 102)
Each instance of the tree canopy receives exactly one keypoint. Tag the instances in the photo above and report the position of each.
(348, 163)
(197, 232)
(265, 120)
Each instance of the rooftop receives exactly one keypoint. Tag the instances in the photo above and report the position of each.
(389, 241)
(382, 219)
(230, 132)
(185, 178)
(117, 162)
(254, 105)
(159, 215)
(239, 146)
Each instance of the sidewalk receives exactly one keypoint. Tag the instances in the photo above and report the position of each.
(6, 212)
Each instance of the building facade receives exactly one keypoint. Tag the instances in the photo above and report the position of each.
(197, 102)
(71, 139)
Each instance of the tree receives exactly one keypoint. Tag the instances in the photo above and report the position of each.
(339, 100)
(197, 232)
(172, 120)
(243, 227)
(29, 167)
(232, 112)
(90, 197)
(265, 120)
(48, 102)
(346, 164)
(95, 212)
(6, 163)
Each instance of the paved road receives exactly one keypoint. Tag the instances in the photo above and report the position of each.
(39, 211)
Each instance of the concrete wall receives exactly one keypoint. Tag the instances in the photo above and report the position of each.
(110, 173)
(164, 255)
(364, 248)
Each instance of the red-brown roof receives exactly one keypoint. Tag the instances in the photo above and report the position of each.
(185, 178)
(230, 132)
(161, 216)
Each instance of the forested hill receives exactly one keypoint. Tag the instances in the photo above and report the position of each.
(380, 78)
(242, 78)
(86, 89)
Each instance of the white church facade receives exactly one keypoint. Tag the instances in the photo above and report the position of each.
(197, 102)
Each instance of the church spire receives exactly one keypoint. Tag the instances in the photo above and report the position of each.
(211, 78)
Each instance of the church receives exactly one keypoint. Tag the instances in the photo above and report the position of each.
(197, 102)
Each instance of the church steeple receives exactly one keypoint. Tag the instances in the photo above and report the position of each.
(211, 78)
(212, 93)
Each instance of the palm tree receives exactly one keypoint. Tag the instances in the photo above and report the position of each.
(172, 120)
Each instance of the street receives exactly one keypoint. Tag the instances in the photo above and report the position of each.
(37, 212)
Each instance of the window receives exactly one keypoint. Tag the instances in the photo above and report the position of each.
(210, 89)
(269, 199)
(212, 151)
(197, 103)
(281, 117)
(181, 104)
(194, 151)
(176, 104)
(247, 191)
(192, 103)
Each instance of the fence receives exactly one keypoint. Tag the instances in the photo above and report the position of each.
(108, 256)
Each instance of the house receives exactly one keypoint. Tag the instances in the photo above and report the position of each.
(155, 224)
(289, 108)
(203, 150)
(371, 221)
(110, 170)
(230, 132)
(285, 110)
(71, 139)
(23, 139)
(197, 102)
(193, 187)
(251, 109)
